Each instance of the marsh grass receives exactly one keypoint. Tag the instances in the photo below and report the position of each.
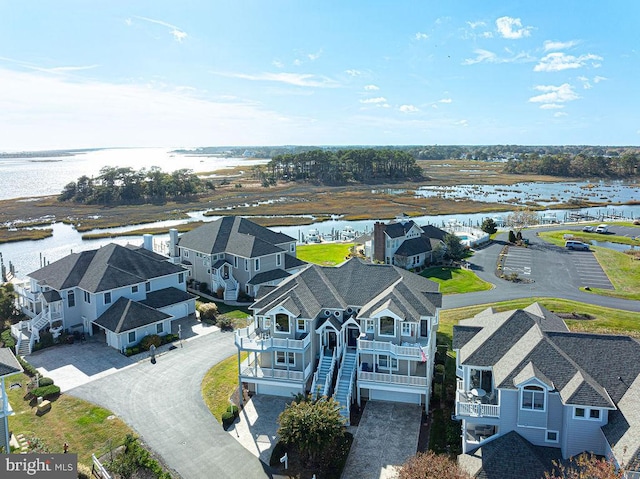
(24, 234)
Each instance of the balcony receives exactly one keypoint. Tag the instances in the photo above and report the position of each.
(394, 379)
(468, 405)
(250, 370)
(252, 339)
(411, 351)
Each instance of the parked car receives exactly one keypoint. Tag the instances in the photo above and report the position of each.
(589, 228)
(577, 245)
(602, 229)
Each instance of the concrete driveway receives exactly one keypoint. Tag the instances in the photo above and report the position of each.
(386, 437)
(163, 404)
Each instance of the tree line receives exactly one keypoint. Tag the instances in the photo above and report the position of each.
(344, 166)
(580, 165)
(116, 185)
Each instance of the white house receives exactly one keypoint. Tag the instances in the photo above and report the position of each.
(375, 324)
(235, 255)
(122, 292)
(523, 375)
(9, 366)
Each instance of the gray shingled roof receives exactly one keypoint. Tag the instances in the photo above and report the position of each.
(431, 231)
(397, 229)
(125, 315)
(234, 235)
(8, 363)
(166, 297)
(357, 284)
(112, 266)
(291, 262)
(267, 276)
(51, 296)
(414, 246)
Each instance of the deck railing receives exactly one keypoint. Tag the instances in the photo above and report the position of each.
(473, 407)
(251, 340)
(399, 379)
(414, 351)
(250, 370)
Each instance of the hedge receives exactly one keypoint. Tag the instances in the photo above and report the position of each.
(46, 391)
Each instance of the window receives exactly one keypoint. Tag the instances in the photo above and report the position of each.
(181, 278)
(266, 323)
(368, 326)
(87, 297)
(235, 262)
(386, 362)
(282, 323)
(292, 247)
(71, 299)
(132, 337)
(301, 325)
(283, 356)
(246, 264)
(407, 329)
(387, 326)
(147, 286)
(186, 253)
(278, 259)
(134, 288)
(257, 265)
(107, 297)
(594, 414)
(159, 328)
(533, 398)
(579, 412)
(552, 436)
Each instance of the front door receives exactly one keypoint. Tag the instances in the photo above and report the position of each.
(352, 337)
(424, 328)
(332, 340)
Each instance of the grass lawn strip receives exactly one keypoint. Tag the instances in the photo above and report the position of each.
(219, 384)
(324, 254)
(557, 237)
(87, 428)
(455, 280)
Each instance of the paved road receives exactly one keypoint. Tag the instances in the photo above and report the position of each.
(163, 404)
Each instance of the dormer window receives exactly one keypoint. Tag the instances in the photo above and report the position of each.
(532, 398)
(282, 323)
(387, 326)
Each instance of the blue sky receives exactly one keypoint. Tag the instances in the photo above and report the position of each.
(256, 72)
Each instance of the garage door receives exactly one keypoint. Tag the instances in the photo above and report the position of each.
(378, 395)
(275, 390)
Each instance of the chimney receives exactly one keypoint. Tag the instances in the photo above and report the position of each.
(379, 241)
(173, 243)
(147, 241)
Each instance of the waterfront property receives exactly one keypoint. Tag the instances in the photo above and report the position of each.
(522, 374)
(234, 255)
(404, 243)
(122, 293)
(355, 331)
(9, 366)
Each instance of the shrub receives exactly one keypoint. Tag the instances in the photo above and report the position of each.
(29, 370)
(7, 339)
(46, 391)
(152, 339)
(84, 472)
(46, 340)
(233, 409)
(208, 312)
(227, 419)
(244, 297)
(45, 382)
(512, 236)
(220, 293)
(429, 465)
(203, 287)
(169, 338)
(131, 351)
(225, 323)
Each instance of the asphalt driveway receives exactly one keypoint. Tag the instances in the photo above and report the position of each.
(163, 404)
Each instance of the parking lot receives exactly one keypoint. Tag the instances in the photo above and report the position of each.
(518, 261)
(589, 271)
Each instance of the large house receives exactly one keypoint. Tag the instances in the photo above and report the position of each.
(9, 366)
(404, 243)
(234, 255)
(524, 378)
(125, 292)
(373, 324)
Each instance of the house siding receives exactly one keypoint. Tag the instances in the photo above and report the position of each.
(583, 434)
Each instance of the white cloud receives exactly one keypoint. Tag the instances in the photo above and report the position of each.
(177, 33)
(487, 35)
(353, 73)
(511, 28)
(371, 87)
(550, 45)
(551, 106)
(277, 64)
(314, 56)
(598, 79)
(297, 62)
(485, 56)
(559, 114)
(461, 123)
(445, 100)
(476, 24)
(379, 99)
(408, 108)
(585, 83)
(559, 61)
(420, 36)
(54, 70)
(297, 79)
(554, 95)
(128, 22)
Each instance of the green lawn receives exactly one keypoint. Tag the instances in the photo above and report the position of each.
(455, 280)
(219, 384)
(623, 271)
(324, 254)
(87, 428)
(606, 320)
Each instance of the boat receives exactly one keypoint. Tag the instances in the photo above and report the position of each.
(347, 234)
(313, 236)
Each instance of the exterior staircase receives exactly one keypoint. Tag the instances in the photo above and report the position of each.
(230, 289)
(345, 383)
(323, 375)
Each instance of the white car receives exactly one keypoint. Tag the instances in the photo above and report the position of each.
(588, 229)
(602, 229)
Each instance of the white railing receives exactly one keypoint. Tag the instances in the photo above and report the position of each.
(250, 369)
(415, 381)
(327, 380)
(474, 408)
(415, 352)
(314, 383)
(98, 469)
(248, 339)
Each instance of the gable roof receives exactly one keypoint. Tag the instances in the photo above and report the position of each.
(267, 276)
(166, 297)
(431, 231)
(398, 228)
(112, 266)
(354, 283)
(125, 315)
(414, 246)
(8, 363)
(234, 235)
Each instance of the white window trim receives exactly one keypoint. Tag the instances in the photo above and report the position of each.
(235, 262)
(134, 289)
(534, 392)
(129, 337)
(278, 259)
(104, 297)
(288, 331)
(87, 297)
(257, 264)
(390, 361)
(380, 329)
(409, 326)
(286, 355)
(246, 264)
(304, 325)
(369, 326)
(266, 322)
(587, 414)
(546, 436)
(159, 328)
